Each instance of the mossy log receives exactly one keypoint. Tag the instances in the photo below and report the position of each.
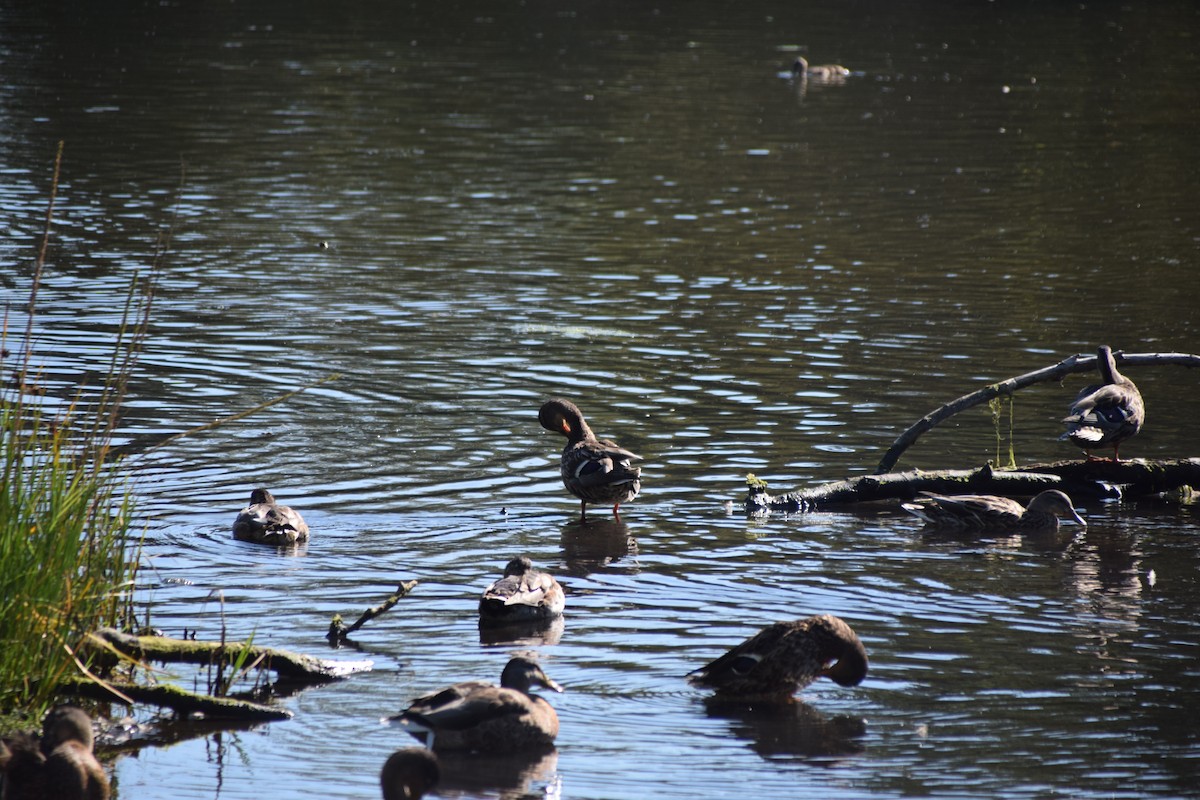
(1081, 480)
(180, 700)
(165, 650)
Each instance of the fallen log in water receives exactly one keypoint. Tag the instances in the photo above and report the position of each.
(179, 700)
(1079, 479)
(165, 650)
(107, 646)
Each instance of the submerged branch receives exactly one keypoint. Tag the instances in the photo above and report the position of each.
(1076, 363)
(339, 633)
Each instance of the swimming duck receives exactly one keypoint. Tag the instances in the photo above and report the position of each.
(266, 522)
(822, 73)
(524, 594)
(409, 773)
(477, 715)
(985, 511)
(71, 771)
(785, 657)
(594, 470)
(23, 768)
(1106, 413)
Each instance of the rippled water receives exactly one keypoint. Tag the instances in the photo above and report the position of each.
(631, 207)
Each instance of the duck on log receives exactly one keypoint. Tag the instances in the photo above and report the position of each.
(1079, 479)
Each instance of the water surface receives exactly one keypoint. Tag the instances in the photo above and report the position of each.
(463, 209)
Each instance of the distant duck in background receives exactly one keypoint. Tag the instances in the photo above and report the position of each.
(821, 73)
(266, 522)
(594, 470)
(785, 657)
(524, 594)
(989, 512)
(1107, 413)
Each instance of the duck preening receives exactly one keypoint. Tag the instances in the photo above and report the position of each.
(477, 715)
(594, 470)
(266, 522)
(989, 512)
(524, 594)
(1107, 413)
(785, 657)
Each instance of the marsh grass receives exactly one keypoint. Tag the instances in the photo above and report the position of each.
(67, 557)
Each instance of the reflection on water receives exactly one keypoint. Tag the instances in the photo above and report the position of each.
(792, 729)
(509, 777)
(627, 206)
(597, 544)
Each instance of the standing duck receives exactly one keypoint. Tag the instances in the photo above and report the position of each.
(988, 512)
(266, 522)
(1106, 413)
(785, 657)
(594, 470)
(481, 716)
(821, 73)
(524, 594)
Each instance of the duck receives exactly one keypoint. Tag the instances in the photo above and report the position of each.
(524, 594)
(1107, 413)
(483, 717)
(22, 767)
(266, 522)
(594, 470)
(989, 512)
(783, 658)
(824, 73)
(409, 773)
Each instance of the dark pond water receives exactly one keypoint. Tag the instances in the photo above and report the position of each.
(630, 206)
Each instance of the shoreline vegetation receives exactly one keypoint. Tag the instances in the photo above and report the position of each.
(68, 557)
(68, 560)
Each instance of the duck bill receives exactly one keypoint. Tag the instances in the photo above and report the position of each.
(546, 681)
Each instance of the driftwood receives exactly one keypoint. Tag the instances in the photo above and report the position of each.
(339, 632)
(179, 700)
(165, 650)
(1076, 363)
(1079, 479)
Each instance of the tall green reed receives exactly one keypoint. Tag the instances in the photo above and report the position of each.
(67, 557)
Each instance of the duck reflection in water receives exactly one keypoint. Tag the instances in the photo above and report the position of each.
(595, 546)
(528, 634)
(507, 777)
(791, 729)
